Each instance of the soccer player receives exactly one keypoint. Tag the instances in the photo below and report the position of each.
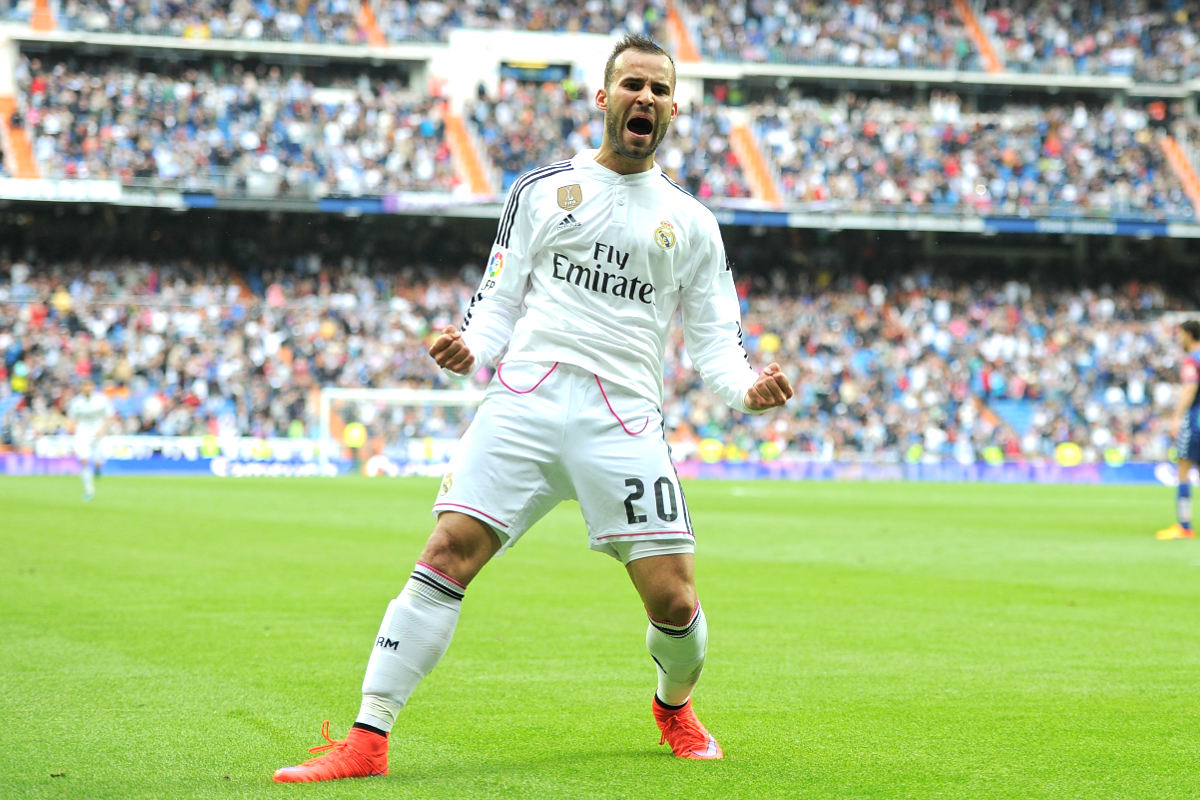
(1185, 430)
(593, 258)
(90, 413)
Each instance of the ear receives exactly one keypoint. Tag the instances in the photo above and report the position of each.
(602, 100)
(674, 111)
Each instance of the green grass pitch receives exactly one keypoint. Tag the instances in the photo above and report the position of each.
(182, 638)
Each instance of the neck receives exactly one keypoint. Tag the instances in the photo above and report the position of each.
(622, 165)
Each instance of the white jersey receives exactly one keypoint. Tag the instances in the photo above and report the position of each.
(589, 268)
(90, 412)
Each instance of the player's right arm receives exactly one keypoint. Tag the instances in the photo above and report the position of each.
(500, 300)
(110, 419)
(1189, 383)
(73, 415)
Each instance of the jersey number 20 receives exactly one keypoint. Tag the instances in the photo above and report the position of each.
(664, 500)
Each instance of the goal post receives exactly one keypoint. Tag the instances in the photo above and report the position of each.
(394, 431)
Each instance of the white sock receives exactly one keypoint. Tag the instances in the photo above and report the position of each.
(88, 474)
(413, 637)
(679, 652)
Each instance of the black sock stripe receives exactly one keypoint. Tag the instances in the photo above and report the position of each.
(370, 728)
(679, 633)
(667, 706)
(446, 590)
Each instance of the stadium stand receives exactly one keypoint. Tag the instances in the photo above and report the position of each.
(919, 361)
(912, 34)
(1151, 41)
(529, 124)
(351, 21)
(404, 21)
(324, 21)
(929, 350)
(259, 131)
(268, 131)
(858, 151)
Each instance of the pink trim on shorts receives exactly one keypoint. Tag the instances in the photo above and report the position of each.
(604, 394)
(646, 533)
(500, 378)
(444, 575)
(436, 506)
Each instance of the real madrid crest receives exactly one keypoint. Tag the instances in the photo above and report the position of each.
(569, 197)
(664, 235)
(447, 482)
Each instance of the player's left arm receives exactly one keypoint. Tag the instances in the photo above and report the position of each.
(712, 332)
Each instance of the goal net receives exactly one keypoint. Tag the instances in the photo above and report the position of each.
(394, 431)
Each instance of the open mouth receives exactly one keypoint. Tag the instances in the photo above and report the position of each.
(640, 125)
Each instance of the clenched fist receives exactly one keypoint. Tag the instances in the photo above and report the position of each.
(772, 389)
(451, 352)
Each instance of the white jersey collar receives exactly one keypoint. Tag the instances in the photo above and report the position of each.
(586, 160)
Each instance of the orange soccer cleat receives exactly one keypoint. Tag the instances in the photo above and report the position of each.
(687, 737)
(1176, 531)
(362, 754)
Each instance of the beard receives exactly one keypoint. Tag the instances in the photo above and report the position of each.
(616, 138)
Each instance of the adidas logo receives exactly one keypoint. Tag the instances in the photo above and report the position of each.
(568, 221)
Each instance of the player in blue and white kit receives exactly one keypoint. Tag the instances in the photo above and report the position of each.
(1185, 430)
(594, 258)
(91, 413)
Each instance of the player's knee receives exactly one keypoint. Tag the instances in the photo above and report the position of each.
(459, 546)
(675, 607)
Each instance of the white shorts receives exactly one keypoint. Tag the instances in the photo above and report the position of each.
(545, 433)
(87, 448)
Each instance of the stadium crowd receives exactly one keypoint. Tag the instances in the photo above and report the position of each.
(527, 125)
(324, 21)
(263, 131)
(227, 127)
(917, 365)
(887, 34)
(403, 21)
(341, 21)
(860, 152)
(914, 365)
(1152, 40)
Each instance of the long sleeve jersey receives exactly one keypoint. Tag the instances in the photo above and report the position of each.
(590, 267)
(90, 412)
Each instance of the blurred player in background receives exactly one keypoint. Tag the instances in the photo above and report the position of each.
(593, 258)
(90, 412)
(1185, 430)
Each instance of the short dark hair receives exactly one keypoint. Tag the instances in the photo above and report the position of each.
(1192, 328)
(635, 41)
